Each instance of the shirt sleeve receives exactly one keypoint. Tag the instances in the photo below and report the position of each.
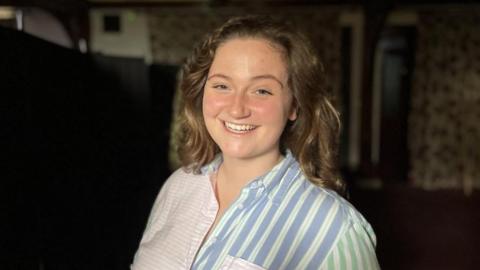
(157, 209)
(354, 250)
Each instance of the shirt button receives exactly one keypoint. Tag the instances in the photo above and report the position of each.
(240, 206)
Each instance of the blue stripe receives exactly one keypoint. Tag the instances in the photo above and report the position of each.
(254, 217)
(327, 242)
(267, 220)
(292, 233)
(247, 228)
(312, 231)
(239, 213)
(288, 176)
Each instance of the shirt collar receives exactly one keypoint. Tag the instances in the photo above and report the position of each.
(213, 165)
(281, 175)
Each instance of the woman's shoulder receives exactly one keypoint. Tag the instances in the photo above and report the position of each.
(323, 218)
(346, 229)
(182, 173)
(330, 202)
(181, 184)
(184, 179)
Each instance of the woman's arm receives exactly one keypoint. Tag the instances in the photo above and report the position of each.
(355, 249)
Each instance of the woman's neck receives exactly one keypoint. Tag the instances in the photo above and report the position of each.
(238, 172)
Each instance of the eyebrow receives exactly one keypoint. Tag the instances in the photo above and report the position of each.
(258, 77)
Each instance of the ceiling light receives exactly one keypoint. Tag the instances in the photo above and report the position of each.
(7, 13)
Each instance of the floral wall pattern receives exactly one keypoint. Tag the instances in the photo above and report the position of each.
(444, 124)
(175, 31)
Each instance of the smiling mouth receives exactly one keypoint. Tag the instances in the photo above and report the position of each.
(238, 128)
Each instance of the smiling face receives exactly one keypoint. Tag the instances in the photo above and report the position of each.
(246, 100)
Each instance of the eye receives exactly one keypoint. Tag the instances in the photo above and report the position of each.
(220, 86)
(263, 92)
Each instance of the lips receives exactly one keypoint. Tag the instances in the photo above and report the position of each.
(239, 128)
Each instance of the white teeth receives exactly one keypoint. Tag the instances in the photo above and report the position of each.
(236, 127)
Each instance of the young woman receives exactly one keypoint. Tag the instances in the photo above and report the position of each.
(259, 187)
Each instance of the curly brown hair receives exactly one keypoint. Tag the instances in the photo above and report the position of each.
(312, 137)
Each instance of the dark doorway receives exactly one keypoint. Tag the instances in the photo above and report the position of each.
(345, 84)
(397, 48)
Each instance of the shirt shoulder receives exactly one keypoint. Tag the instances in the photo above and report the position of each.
(353, 241)
(176, 181)
(338, 223)
(181, 177)
(182, 184)
(355, 245)
(347, 213)
(179, 188)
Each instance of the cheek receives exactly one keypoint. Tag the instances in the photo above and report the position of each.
(271, 112)
(212, 104)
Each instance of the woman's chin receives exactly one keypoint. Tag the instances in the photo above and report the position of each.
(237, 154)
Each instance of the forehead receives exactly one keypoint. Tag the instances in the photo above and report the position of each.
(257, 51)
(252, 40)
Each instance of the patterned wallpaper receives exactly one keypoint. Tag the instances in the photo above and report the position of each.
(444, 124)
(175, 31)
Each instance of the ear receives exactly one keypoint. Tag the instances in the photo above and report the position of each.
(293, 112)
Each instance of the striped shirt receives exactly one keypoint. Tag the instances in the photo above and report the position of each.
(279, 221)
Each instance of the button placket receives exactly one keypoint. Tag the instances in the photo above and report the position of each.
(248, 196)
(214, 240)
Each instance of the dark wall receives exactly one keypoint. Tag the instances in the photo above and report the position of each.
(83, 161)
(418, 229)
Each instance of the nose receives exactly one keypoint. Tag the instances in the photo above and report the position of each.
(239, 106)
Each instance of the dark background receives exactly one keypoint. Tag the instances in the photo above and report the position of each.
(81, 162)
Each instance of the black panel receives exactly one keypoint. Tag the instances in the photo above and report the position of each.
(111, 23)
(81, 163)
